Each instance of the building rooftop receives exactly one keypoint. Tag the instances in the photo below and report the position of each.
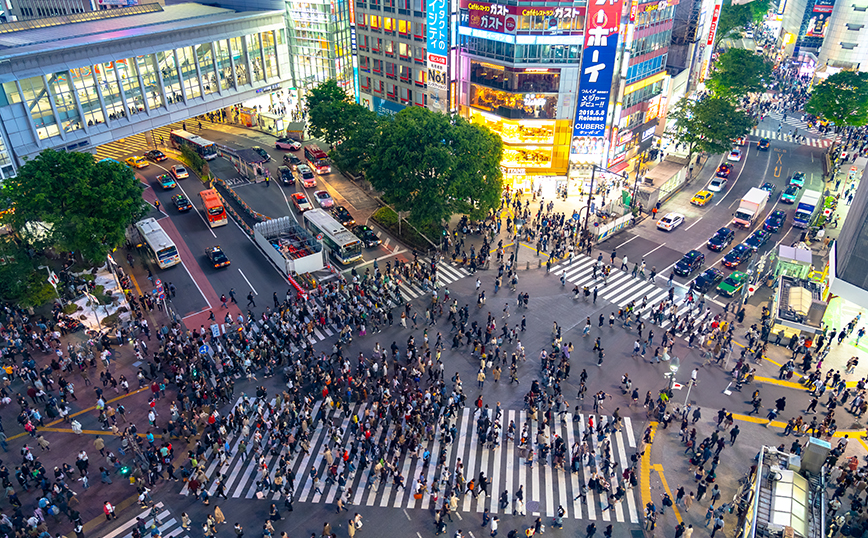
(87, 29)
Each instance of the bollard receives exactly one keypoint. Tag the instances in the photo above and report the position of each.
(527, 268)
(539, 264)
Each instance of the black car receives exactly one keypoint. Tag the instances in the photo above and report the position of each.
(291, 160)
(262, 153)
(343, 216)
(757, 239)
(691, 261)
(775, 220)
(217, 257)
(737, 256)
(709, 278)
(763, 144)
(155, 155)
(286, 175)
(770, 188)
(721, 239)
(366, 235)
(182, 203)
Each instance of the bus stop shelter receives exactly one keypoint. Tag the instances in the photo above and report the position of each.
(248, 163)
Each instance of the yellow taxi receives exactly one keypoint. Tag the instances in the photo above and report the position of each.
(137, 161)
(701, 198)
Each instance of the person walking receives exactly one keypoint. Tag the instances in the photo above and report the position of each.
(250, 300)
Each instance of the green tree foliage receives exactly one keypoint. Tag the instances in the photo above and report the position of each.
(734, 17)
(327, 107)
(362, 134)
(842, 98)
(709, 125)
(69, 201)
(738, 72)
(434, 165)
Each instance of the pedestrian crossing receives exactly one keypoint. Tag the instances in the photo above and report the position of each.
(158, 517)
(137, 144)
(447, 273)
(620, 288)
(776, 135)
(544, 487)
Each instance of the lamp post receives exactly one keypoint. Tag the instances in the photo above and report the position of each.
(674, 364)
(594, 169)
(692, 382)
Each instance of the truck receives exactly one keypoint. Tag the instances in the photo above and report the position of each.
(291, 248)
(751, 207)
(807, 208)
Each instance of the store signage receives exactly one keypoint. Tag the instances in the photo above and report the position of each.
(530, 100)
(504, 19)
(819, 21)
(598, 67)
(269, 88)
(513, 171)
(634, 8)
(712, 29)
(438, 49)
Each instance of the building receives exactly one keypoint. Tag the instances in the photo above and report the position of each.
(102, 76)
(848, 258)
(805, 24)
(846, 43)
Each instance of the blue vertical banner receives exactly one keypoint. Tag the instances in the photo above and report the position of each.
(437, 53)
(598, 68)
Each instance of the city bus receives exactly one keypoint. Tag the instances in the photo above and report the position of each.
(158, 242)
(205, 148)
(343, 245)
(317, 159)
(214, 209)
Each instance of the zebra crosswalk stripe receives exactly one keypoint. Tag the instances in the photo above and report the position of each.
(157, 516)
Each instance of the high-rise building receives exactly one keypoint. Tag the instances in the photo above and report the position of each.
(846, 43)
(805, 23)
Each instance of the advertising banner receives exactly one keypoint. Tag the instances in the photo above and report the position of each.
(712, 29)
(504, 19)
(598, 68)
(438, 51)
(820, 18)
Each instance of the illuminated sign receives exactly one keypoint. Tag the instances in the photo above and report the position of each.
(598, 67)
(712, 30)
(438, 49)
(504, 19)
(819, 21)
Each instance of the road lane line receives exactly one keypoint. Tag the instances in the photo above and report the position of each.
(694, 223)
(658, 246)
(248, 282)
(627, 241)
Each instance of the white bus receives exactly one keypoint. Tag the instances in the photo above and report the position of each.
(344, 246)
(158, 241)
(205, 148)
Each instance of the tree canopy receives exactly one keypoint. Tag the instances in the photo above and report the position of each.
(327, 108)
(842, 98)
(709, 125)
(68, 201)
(738, 72)
(734, 16)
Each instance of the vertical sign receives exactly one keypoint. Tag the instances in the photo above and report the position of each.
(598, 67)
(712, 29)
(708, 50)
(438, 48)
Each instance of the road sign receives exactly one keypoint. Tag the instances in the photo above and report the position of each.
(162, 296)
(751, 289)
(158, 283)
(576, 216)
(319, 237)
(677, 386)
(204, 349)
(215, 330)
(52, 278)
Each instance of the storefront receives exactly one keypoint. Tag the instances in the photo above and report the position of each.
(268, 110)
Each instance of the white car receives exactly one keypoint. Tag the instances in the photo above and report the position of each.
(717, 184)
(324, 198)
(749, 34)
(179, 172)
(670, 221)
(734, 155)
(287, 143)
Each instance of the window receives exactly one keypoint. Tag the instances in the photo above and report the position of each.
(85, 87)
(375, 22)
(391, 70)
(389, 25)
(206, 64)
(378, 87)
(405, 73)
(406, 95)
(392, 91)
(65, 102)
(362, 20)
(378, 46)
(268, 52)
(421, 74)
(421, 98)
(365, 64)
(390, 48)
(111, 94)
(419, 31)
(378, 66)
(404, 28)
(35, 95)
(365, 82)
(404, 51)
(363, 43)
(224, 65)
(188, 71)
(420, 55)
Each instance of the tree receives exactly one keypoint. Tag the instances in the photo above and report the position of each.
(434, 165)
(361, 127)
(738, 72)
(69, 201)
(733, 16)
(709, 125)
(327, 106)
(842, 99)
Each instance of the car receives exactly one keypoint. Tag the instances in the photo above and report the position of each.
(763, 144)
(734, 155)
(721, 239)
(707, 280)
(790, 194)
(717, 184)
(670, 221)
(285, 175)
(182, 203)
(324, 199)
(217, 256)
(179, 172)
(749, 34)
(137, 161)
(299, 200)
(343, 216)
(701, 198)
(769, 187)
(732, 284)
(307, 177)
(366, 235)
(166, 181)
(287, 143)
(690, 262)
(740, 141)
(797, 179)
(775, 220)
(292, 161)
(737, 256)
(724, 170)
(262, 153)
(156, 155)
(757, 239)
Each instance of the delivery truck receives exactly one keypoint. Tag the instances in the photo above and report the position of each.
(806, 209)
(751, 207)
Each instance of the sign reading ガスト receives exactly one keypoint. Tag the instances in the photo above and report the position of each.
(598, 67)
(438, 49)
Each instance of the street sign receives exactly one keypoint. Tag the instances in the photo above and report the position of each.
(576, 216)
(162, 296)
(677, 386)
(52, 278)
(204, 349)
(158, 283)
(751, 289)
(215, 330)
(319, 237)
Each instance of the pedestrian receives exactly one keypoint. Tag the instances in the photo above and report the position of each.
(718, 525)
(250, 301)
(591, 530)
(326, 530)
(218, 516)
(109, 511)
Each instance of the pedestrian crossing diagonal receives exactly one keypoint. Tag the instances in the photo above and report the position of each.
(447, 273)
(545, 487)
(137, 144)
(772, 134)
(158, 517)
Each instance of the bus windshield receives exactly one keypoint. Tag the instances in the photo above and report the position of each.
(343, 245)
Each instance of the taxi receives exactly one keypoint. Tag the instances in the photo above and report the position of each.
(167, 182)
(137, 161)
(702, 197)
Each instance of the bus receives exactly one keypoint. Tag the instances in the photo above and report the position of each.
(344, 246)
(159, 243)
(214, 209)
(205, 148)
(317, 159)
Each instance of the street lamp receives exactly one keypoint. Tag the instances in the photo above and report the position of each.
(674, 364)
(594, 168)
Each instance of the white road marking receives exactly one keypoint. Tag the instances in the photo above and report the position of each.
(627, 241)
(694, 223)
(658, 246)
(248, 282)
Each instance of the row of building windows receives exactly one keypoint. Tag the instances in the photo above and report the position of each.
(391, 5)
(94, 94)
(391, 25)
(645, 69)
(393, 92)
(643, 94)
(645, 19)
(394, 71)
(392, 48)
(650, 43)
(507, 52)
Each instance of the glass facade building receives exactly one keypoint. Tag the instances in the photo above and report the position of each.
(320, 42)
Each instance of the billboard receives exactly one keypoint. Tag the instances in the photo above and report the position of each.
(438, 50)
(819, 20)
(598, 67)
(504, 19)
